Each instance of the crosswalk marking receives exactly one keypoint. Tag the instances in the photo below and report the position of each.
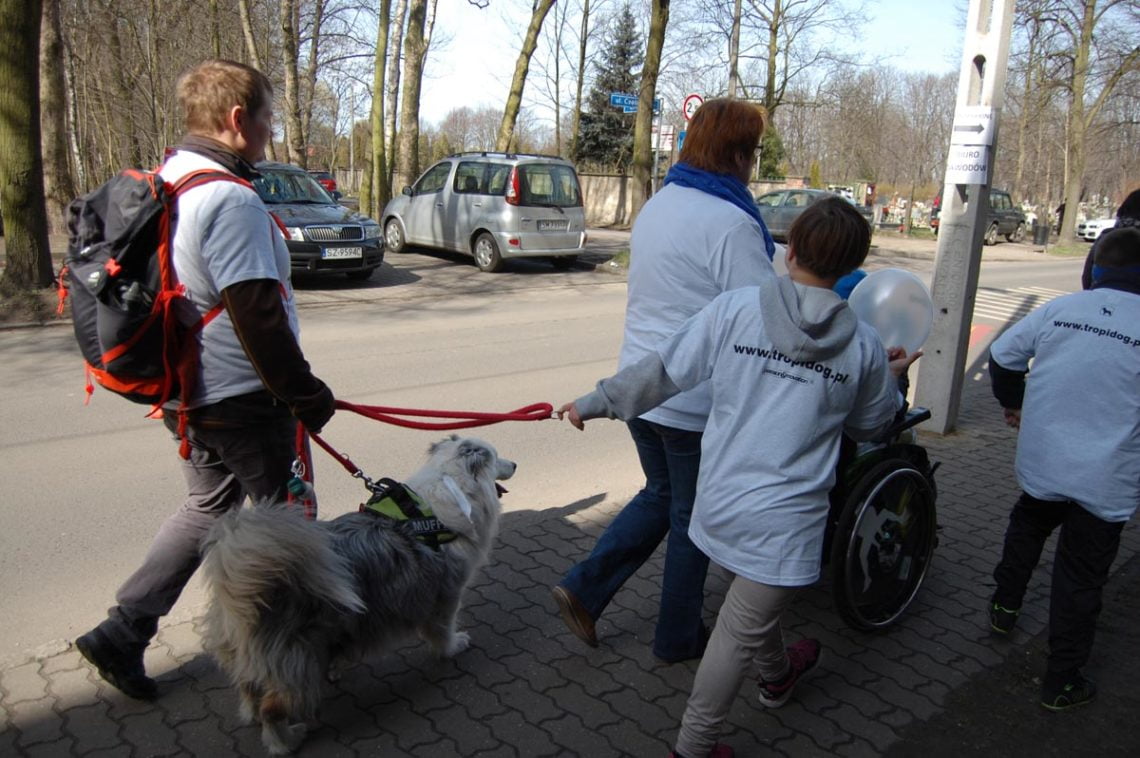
(1009, 305)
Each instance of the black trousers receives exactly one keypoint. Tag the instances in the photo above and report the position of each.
(1085, 550)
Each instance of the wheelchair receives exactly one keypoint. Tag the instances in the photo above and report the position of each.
(882, 525)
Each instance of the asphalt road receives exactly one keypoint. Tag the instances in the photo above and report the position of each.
(88, 486)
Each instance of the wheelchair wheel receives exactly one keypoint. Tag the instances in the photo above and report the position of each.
(882, 545)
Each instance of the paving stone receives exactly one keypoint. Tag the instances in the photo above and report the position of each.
(633, 740)
(149, 734)
(478, 701)
(411, 728)
(799, 717)
(536, 706)
(854, 723)
(112, 752)
(649, 716)
(593, 712)
(801, 745)
(182, 640)
(205, 737)
(513, 728)
(65, 661)
(445, 748)
(324, 742)
(592, 678)
(349, 722)
(23, 682)
(72, 687)
(92, 727)
(502, 751)
(36, 721)
(469, 735)
(538, 674)
(65, 746)
(572, 736)
(858, 748)
(489, 672)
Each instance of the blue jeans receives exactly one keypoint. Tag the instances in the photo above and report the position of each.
(670, 459)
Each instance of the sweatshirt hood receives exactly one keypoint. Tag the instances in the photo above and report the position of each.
(805, 323)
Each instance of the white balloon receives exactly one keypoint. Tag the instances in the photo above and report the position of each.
(897, 304)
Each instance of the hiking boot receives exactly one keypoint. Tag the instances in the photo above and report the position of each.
(719, 750)
(122, 670)
(1062, 697)
(575, 615)
(1002, 619)
(803, 656)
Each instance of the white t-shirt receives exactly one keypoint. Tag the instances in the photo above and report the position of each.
(224, 235)
(687, 247)
(769, 450)
(1080, 422)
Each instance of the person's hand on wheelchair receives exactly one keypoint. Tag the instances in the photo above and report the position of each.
(900, 360)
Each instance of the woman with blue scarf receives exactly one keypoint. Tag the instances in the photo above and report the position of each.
(699, 236)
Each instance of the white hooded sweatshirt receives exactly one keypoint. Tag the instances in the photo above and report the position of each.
(790, 368)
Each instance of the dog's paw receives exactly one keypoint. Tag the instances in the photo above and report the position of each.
(280, 739)
(459, 642)
(247, 712)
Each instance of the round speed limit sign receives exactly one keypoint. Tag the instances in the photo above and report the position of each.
(689, 107)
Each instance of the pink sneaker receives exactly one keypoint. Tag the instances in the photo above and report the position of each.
(803, 657)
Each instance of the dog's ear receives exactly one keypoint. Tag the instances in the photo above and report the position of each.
(435, 446)
(475, 457)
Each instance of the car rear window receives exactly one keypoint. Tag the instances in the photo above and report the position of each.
(549, 184)
(290, 187)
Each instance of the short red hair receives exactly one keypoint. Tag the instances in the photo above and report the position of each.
(721, 131)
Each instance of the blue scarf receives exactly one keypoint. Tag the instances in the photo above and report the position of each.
(724, 186)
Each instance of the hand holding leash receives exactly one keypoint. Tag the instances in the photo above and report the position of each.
(570, 411)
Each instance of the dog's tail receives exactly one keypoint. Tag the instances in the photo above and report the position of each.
(253, 552)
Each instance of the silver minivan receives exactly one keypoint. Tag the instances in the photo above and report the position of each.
(492, 206)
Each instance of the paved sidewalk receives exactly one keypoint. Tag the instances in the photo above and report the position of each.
(528, 688)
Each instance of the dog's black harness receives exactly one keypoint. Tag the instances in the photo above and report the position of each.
(393, 500)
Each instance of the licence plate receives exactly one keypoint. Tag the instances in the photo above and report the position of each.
(545, 225)
(330, 253)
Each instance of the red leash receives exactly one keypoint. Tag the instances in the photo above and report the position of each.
(389, 415)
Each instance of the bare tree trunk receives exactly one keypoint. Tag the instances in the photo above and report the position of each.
(311, 70)
(123, 90)
(255, 58)
(773, 51)
(642, 147)
(215, 30)
(391, 97)
(28, 257)
(734, 52)
(294, 137)
(582, 40)
(414, 48)
(522, 66)
(375, 191)
(59, 189)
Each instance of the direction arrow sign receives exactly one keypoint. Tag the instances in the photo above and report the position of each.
(973, 125)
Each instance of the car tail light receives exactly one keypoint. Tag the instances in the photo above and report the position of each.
(514, 194)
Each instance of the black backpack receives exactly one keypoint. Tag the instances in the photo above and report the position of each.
(136, 329)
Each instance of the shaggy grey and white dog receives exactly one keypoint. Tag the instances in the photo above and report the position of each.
(288, 595)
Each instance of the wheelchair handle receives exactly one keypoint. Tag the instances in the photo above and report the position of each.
(913, 417)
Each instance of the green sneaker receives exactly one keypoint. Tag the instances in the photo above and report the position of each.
(1002, 620)
(1079, 691)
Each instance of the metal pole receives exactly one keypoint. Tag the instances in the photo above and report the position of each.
(981, 83)
(657, 150)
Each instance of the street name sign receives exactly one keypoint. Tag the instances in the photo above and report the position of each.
(973, 125)
(628, 103)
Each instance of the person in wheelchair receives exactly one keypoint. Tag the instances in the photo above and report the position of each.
(1077, 454)
(790, 367)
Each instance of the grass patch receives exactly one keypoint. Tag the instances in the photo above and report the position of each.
(621, 258)
(1069, 251)
(922, 234)
(36, 306)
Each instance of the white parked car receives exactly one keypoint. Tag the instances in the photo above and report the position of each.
(1092, 229)
(492, 206)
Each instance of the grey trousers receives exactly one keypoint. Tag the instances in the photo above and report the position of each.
(747, 630)
(225, 466)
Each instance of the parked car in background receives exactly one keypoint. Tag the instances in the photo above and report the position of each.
(1004, 217)
(492, 206)
(322, 236)
(326, 180)
(1092, 229)
(780, 208)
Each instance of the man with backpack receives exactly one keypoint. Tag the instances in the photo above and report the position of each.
(238, 429)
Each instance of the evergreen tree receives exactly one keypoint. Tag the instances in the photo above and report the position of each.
(606, 133)
(771, 154)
